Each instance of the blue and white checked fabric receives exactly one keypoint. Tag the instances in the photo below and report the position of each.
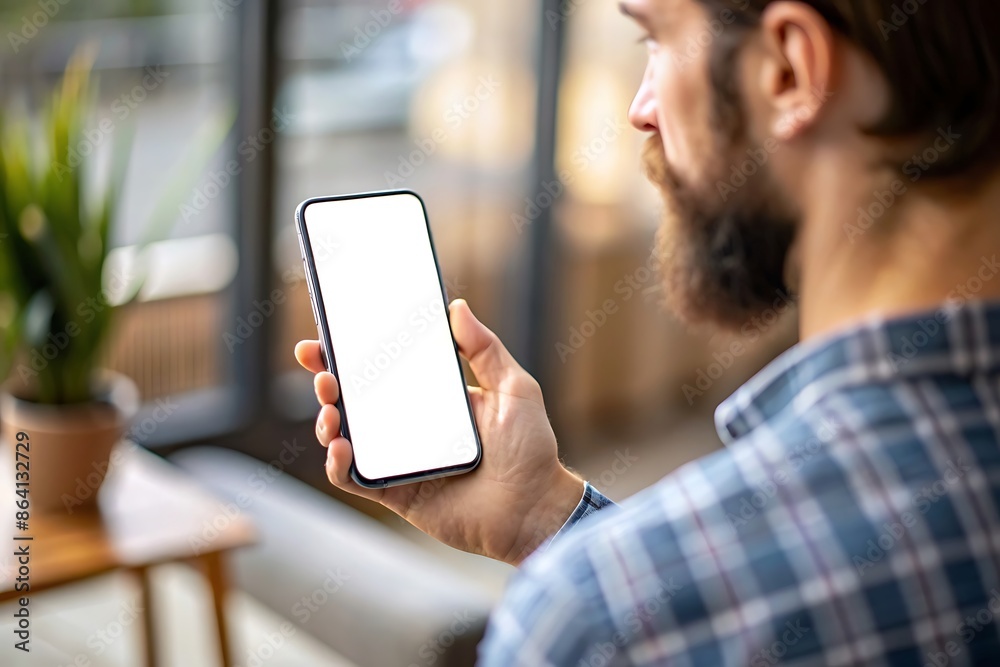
(852, 519)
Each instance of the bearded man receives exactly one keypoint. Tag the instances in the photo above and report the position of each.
(854, 515)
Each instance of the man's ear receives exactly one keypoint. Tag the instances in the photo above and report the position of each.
(795, 81)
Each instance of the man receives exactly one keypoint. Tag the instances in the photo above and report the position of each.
(854, 516)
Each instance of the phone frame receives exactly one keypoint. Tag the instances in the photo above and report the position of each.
(326, 344)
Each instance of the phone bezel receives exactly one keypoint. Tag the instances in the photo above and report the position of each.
(329, 357)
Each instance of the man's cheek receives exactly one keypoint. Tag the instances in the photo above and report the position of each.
(670, 152)
(672, 130)
(678, 117)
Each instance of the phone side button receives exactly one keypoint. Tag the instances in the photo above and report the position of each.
(302, 247)
(315, 312)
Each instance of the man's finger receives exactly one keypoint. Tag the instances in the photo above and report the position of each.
(327, 424)
(488, 358)
(308, 354)
(327, 388)
(338, 470)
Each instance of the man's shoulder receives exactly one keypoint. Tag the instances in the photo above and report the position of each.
(723, 518)
(649, 540)
(788, 504)
(816, 514)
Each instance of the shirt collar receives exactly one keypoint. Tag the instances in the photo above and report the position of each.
(957, 339)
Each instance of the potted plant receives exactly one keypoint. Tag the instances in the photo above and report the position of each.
(55, 308)
(57, 299)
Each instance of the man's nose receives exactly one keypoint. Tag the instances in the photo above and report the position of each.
(642, 111)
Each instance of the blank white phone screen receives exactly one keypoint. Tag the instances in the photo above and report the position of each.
(400, 380)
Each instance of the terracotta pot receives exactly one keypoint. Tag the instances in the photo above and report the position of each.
(70, 445)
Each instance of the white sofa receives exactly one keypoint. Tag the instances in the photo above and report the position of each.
(373, 596)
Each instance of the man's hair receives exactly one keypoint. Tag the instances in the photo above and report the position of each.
(941, 59)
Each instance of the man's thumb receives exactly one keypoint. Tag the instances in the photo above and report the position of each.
(489, 359)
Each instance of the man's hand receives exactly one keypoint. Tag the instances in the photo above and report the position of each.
(520, 494)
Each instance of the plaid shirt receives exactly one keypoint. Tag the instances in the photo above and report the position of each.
(852, 519)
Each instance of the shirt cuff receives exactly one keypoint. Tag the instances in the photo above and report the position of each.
(592, 502)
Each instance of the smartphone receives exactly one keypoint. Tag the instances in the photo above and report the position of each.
(381, 310)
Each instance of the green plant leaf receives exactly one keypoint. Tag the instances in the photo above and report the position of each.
(55, 236)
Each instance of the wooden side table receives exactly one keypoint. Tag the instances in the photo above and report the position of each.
(149, 513)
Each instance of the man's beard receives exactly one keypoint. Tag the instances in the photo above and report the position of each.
(722, 258)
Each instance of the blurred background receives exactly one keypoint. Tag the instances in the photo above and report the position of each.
(510, 120)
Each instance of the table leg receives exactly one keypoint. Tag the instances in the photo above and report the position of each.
(215, 570)
(148, 621)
